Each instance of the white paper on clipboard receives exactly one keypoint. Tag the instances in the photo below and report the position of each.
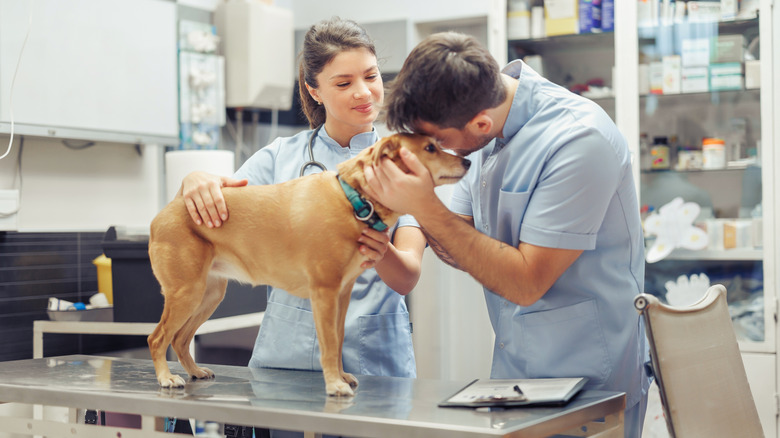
(501, 392)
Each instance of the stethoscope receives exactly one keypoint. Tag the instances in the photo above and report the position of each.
(312, 161)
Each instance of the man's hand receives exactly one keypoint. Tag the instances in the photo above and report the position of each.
(202, 194)
(405, 193)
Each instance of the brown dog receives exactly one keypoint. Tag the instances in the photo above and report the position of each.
(300, 236)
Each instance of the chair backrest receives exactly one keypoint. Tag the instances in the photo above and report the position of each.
(698, 367)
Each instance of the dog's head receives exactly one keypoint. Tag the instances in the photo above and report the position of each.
(445, 168)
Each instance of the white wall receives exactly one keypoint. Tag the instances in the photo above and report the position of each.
(484, 19)
(307, 12)
(453, 338)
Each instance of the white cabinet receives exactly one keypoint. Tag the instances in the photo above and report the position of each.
(705, 141)
(89, 69)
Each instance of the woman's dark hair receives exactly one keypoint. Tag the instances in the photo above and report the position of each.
(446, 80)
(321, 44)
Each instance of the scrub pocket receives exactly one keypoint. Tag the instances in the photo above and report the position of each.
(287, 339)
(566, 342)
(511, 209)
(386, 345)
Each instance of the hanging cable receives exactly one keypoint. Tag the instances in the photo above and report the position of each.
(13, 81)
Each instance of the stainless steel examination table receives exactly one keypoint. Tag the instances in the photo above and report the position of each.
(280, 399)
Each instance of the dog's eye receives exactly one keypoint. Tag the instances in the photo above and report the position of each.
(430, 148)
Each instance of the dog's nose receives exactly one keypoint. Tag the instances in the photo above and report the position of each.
(466, 163)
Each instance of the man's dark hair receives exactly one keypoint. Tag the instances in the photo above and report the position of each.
(446, 80)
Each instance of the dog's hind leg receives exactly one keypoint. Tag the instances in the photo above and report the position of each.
(215, 292)
(325, 309)
(182, 274)
(343, 305)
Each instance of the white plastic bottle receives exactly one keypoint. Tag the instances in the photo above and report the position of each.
(212, 430)
(207, 429)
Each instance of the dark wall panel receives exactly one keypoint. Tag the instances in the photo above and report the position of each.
(36, 266)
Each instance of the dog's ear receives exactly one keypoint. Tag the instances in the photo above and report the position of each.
(387, 147)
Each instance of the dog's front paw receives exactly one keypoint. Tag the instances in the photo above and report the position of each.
(339, 388)
(351, 380)
(202, 373)
(170, 381)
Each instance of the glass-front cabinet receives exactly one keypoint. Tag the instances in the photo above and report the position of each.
(696, 94)
(701, 157)
(705, 147)
(699, 111)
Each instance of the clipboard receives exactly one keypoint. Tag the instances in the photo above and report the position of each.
(516, 392)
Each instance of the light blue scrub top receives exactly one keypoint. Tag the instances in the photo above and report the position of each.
(377, 338)
(561, 178)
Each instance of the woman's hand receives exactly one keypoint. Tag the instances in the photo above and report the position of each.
(202, 194)
(373, 244)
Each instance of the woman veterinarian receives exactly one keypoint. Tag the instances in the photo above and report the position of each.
(341, 91)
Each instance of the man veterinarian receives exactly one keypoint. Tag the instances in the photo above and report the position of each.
(547, 219)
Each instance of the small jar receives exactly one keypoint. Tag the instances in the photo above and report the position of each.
(659, 153)
(713, 153)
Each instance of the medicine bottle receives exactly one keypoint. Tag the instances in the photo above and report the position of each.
(660, 153)
(713, 153)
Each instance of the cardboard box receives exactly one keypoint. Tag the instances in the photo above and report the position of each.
(585, 14)
(715, 234)
(728, 9)
(727, 48)
(695, 79)
(607, 15)
(737, 234)
(726, 76)
(753, 74)
(695, 52)
(644, 79)
(672, 74)
(656, 71)
(561, 17)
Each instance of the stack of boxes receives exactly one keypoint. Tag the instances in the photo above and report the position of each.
(697, 58)
(694, 62)
(726, 62)
(537, 19)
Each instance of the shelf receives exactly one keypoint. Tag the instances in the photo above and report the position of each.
(737, 254)
(723, 96)
(658, 172)
(573, 42)
(601, 100)
(729, 27)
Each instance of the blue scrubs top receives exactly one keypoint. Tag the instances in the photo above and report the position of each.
(377, 338)
(561, 178)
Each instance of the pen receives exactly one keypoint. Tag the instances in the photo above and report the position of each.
(518, 390)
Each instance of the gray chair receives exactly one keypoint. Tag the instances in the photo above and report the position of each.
(698, 368)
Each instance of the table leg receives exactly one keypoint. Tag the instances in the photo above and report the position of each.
(610, 427)
(37, 342)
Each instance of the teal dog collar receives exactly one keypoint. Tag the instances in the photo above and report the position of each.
(363, 208)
